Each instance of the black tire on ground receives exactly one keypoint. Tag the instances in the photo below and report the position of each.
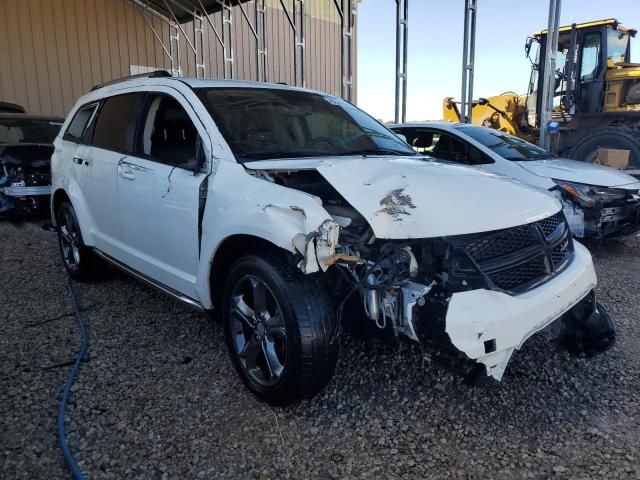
(619, 137)
(79, 261)
(279, 326)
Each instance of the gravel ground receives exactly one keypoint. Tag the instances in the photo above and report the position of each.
(158, 398)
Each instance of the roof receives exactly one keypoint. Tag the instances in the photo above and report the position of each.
(221, 83)
(183, 10)
(161, 77)
(612, 22)
(11, 107)
(26, 116)
(428, 124)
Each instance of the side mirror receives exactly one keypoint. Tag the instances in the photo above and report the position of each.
(401, 137)
(201, 157)
(527, 46)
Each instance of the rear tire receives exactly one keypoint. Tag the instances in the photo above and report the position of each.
(619, 137)
(79, 261)
(278, 327)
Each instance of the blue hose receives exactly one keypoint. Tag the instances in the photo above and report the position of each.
(62, 437)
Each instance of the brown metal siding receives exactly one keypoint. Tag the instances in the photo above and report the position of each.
(53, 51)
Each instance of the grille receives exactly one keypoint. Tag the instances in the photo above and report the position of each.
(550, 224)
(559, 253)
(512, 278)
(502, 242)
(519, 258)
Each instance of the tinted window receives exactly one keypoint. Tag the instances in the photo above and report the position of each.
(79, 123)
(28, 130)
(168, 134)
(116, 122)
(443, 146)
(260, 123)
(420, 139)
(505, 145)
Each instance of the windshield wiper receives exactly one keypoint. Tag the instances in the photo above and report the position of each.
(280, 155)
(377, 151)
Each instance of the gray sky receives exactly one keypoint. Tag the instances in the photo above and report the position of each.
(435, 48)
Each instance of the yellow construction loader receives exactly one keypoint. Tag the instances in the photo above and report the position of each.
(597, 94)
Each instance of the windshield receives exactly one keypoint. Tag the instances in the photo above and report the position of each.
(24, 130)
(505, 145)
(262, 123)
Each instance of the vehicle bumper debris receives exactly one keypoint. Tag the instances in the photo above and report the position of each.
(489, 325)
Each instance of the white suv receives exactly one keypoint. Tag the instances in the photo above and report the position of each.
(292, 212)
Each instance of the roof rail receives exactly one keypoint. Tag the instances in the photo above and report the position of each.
(154, 74)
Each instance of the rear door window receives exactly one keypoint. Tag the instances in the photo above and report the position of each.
(115, 126)
(79, 123)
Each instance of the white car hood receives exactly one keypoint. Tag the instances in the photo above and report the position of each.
(405, 197)
(580, 172)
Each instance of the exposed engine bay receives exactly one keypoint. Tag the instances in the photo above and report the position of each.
(406, 286)
(25, 178)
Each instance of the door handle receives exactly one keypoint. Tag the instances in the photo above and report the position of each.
(78, 160)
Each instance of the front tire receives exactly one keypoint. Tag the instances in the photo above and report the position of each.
(79, 261)
(279, 327)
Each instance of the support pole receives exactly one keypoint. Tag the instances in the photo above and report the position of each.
(549, 71)
(468, 57)
(402, 15)
(346, 12)
(405, 39)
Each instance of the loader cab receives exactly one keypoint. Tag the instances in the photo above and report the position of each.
(585, 52)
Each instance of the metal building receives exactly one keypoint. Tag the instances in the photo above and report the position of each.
(53, 51)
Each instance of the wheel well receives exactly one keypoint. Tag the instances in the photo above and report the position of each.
(58, 197)
(231, 249)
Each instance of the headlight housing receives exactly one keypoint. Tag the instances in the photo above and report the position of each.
(588, 195)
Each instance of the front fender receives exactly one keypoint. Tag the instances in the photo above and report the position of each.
(242, 204)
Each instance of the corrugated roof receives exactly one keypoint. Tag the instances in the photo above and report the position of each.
(183, 10)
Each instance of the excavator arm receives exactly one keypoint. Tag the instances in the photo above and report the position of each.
(504, 112)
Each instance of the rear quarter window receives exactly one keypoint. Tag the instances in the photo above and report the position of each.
(78, 125)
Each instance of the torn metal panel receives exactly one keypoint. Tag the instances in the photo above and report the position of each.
(318, 247)
(575, 218)
(478, 316)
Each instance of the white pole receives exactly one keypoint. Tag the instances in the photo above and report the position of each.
(548, 83)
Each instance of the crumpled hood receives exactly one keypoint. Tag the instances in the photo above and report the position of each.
(580, 172)
(405, 197)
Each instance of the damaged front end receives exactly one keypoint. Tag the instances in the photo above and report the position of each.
(25, 178)
(600, 212)
(470, 300)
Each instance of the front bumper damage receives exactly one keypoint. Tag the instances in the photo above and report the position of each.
(23, 199)
(488, 326)
(25, 178)
(473, 322)
(616, 219)
(470, 300)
